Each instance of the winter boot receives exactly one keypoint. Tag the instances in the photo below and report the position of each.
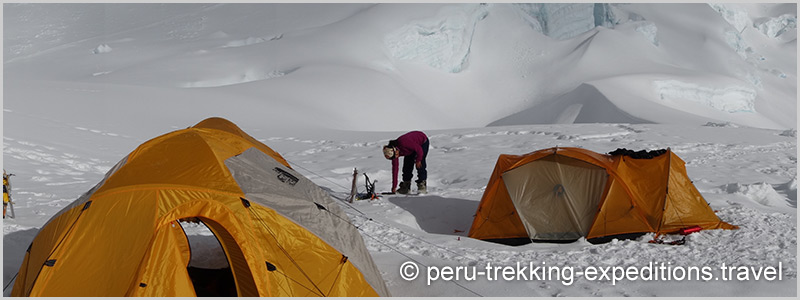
(422, 187)
(405, 187)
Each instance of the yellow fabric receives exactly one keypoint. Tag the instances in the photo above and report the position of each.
(123, 241)
(5, 188)
(163, 272)
(496, 217)
(619, 216)
(227, 126)
(688, 206)
(191, 163)
(300, 256)
(641, 195)
(645, 182)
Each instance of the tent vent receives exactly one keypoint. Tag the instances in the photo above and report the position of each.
(142, 284)
(86, 206)
(245, 202)
(286, 177)
(29, 248)
(344, 259)
(50, 263)
(319, 206)
(271, 267)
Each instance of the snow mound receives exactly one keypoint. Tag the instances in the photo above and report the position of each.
(762, 193)
(584, 104)
(790, 190)
(731, 99)
(442, 42)
(102, 49)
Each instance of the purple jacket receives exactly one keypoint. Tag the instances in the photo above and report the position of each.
(407, 144)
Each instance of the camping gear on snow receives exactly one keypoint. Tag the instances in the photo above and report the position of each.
(8, 204)
(369, 192)
(562, 194)
(282, 235)
(369, 186)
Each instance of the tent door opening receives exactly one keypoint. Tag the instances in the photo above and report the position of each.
(208, 267)
(556, 196)
(217, 267)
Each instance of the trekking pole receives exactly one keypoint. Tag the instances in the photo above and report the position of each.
(353, 188)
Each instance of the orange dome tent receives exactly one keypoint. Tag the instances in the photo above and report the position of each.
(567, 193)
(282, 234)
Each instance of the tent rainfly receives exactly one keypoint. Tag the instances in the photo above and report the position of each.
(562, 194)
(282, 235)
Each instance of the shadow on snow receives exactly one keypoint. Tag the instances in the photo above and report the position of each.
(439, 215)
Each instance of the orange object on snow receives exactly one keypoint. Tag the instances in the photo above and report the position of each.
(568, 193)
(282, 235)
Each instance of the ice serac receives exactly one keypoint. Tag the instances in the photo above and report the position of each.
(735, 15)
(649, 30)
(442, 42)
(730, 99)
(584, 104)
(775, 27)
(567, 20)
(771, 26)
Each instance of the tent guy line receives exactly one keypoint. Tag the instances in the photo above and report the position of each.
(368, 218)
(363, 232)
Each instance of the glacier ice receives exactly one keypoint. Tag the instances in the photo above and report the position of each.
(649, 30)
(730, 99)
(754, 79)
(567, 20)
(442, 42)
(774, 27)
(737, 43)
(733, 14)
(102, 49)
(739, 19)
(561, 20)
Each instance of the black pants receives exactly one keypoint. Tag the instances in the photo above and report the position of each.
(408, 164)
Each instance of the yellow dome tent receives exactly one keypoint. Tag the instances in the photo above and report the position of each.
(567, 193)
(282, 235)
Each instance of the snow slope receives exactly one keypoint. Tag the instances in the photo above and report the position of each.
(327, 84)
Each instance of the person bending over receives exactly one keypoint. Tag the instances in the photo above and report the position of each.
(414, 147)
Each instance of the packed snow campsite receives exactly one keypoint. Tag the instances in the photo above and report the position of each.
(297, 96)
